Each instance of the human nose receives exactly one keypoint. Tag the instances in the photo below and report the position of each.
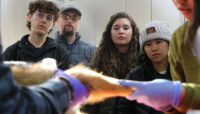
(154, 47)
(121, 30)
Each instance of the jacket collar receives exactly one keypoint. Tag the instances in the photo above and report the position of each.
(50, 42)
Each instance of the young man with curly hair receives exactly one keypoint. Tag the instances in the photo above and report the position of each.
(37, 45)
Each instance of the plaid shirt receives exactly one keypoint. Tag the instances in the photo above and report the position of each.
(52, 97)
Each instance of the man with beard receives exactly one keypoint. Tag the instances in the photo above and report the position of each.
(37, 45)
(68, 23)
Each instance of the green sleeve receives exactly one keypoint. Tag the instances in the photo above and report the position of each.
(177, 53)
(192, 96)
(174, 57)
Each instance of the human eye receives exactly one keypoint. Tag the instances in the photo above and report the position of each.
(62, 16)
(158, 41)
(49, 18)
(147, 44)
(126, 28)
(39, 15)
(65, 16)
(75, 17)
(116, 27)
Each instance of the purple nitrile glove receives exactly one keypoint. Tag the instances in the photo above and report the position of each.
(80, 92)
(165, 108)
(159, 93)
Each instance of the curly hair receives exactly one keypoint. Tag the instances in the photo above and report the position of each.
(43, 6)
(107, 57)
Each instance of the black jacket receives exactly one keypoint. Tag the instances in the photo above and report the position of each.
(51, 97)
(145, 72)
(23, 50)
(80, 51)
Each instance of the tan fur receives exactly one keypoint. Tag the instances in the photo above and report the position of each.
(99, 86)
(31, 74)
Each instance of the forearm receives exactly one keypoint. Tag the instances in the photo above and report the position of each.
(191, 98)
(54, 92)
(50, 97)
(178, 109)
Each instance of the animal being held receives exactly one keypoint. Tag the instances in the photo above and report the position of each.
(99, 86)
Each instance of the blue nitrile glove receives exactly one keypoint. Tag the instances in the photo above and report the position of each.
(160, 94)
(80, 92)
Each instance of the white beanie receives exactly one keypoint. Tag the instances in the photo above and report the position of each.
(154, 30)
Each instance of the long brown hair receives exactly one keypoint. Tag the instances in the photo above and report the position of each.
(194, 24)
(107, 57)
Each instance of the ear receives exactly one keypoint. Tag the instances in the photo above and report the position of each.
(29, 17)
(78, 24)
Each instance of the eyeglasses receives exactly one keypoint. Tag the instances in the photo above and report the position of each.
(73, 17)
(40, 16)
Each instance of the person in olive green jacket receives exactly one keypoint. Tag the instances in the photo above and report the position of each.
(183, 93)
(115, 56)
(183, 56)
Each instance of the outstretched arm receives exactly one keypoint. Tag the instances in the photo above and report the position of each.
(160, 94)
(50, 97)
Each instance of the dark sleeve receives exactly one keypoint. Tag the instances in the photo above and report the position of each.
(129, 107)
(125, 106)
(62, 58)
(136, 73)
(52, 97)
(11, 53)
(90, 109)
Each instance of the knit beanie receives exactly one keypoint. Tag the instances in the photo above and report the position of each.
(154, 30)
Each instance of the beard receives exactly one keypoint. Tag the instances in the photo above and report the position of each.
(68, 32)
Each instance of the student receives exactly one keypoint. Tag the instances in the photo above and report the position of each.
(115, 56)
(36, 46)
(164, 94)
(154, 43)
(70, 39)
(52, 97)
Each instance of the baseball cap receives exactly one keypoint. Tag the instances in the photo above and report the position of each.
(70, 8)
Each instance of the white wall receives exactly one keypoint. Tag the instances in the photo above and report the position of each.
(96, 14)
(13, 20)
(167, 13)
(0, 21)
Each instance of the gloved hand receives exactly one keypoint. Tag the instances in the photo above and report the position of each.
(160, 94)
(80, 92)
